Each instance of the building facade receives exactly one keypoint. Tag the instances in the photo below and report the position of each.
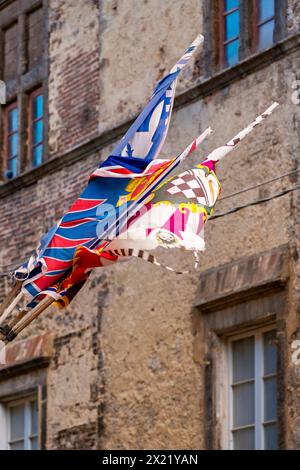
(144, 358)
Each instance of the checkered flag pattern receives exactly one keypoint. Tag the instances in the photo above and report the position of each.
(190, 186)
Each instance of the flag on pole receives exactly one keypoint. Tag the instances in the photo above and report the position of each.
(128, 208)
(172, 217)
(104, 206)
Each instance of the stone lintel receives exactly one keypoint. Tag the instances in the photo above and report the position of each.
(243, 279)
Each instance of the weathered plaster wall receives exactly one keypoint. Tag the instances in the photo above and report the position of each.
(141, 40)
(293, 16)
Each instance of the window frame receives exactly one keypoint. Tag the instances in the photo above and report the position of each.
(259, 421)
(19, 87)
(7, 134)
(32, 95)
(256, 25)
(248, 31)
(222, 30)
(5, 431)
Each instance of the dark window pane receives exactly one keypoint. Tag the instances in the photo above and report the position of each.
(270, 401)
(232, 53)
(13, 145)
(243, 359)
(270, 437)
(34, 417)
(17, 445)
(13, 120)
(266, 9)
(37, 132)
(230, 4)
(270, 353)
(38, 155)
(265, 35)
(243, 439)
(16, 422)
(38, 107)
(232, 25)
(243, 405)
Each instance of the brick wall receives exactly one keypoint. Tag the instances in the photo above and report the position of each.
(74, 70)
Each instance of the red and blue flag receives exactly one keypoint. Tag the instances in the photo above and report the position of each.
(105, 205)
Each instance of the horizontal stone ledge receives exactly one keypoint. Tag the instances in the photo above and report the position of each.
(243, 279)
(26, 354)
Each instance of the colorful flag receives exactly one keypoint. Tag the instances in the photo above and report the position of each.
(127, 209)
(173, 217)
(104, 206)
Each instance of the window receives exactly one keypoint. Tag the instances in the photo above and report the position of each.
(23, 68)
(265, 23)
(12, 140)
(231, 32)
(244, 27)
(252, 391)
(21, 424)
(36, 126)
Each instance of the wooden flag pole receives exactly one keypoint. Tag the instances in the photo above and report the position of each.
(10, 297)
(26, 320)
(11, 307)
(22, 320)
(6, 328)
(17, 318)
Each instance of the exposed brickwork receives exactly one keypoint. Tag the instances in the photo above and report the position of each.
(233, 279)
(26, 350)
(79, 96)
(74, 73)
(77, 438)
